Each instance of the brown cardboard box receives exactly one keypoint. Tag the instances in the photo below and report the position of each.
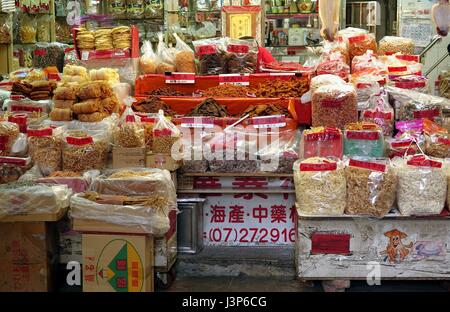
(117, 263)
(162, 161)
(27, 256)
(126, 157)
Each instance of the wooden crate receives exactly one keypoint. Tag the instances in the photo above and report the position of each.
(353, 248)
(28, 256)
(117, 263)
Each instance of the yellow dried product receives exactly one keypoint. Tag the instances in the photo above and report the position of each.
(110, 105)
(64, 104)
(320, 186)
(45, 148)
(121, 37)
(164, 67)
(87, 107)
(82, 152)
(74, 70)
(371, 187)
(65, 93)
(391, 45)
(61, 114)
(8, 134)
(94, 117)
(109, 75)
(129, 134)
(185, 62)
(27, 34)
(103, 39)
(85, 39)
(148, 134)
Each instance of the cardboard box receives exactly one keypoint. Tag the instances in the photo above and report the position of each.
(162, 161)
(28, 256)
(166, 247)
(126, 157)
(117, 263)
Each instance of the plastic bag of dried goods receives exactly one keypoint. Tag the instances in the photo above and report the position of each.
(149, 60)
(166, 137)
(391, 45)
(279, 156)
(334, 67)
(411, 82)
(437, 145)
(242, 56)
(368, 63)
(371, 186)
(321, 142)
(323, 80)
(184, 57)
(334, 106)
(422, 185)
(366, 86)
(401, 147)
(329, 16)
(441, 17)
(359, 41)
(130, 131)
(363, 139)
(380, 112)
(320, 186)
(211, 56)
(337, 46)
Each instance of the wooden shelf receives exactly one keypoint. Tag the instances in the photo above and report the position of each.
(239, 174)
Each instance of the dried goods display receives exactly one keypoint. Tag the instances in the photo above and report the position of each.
(45, 148)
(391, 45)
(438, 145)
(209, 107)
(64, 174)
(280, 155)
(130, 131)
(121, 37)
(49, 54)
(8, 134)
(411, 82)
(323, 80)
(117, 8)
(380, 112)
(322, 142)
(227, 90)
(211, 56)
(5, 29)
(63, 32)
(153, 105)
(184, 58)
(359, 41)
(12, 168)
(82, 152)
(103, 39)
(334, 106)
(135, 9)
(165, 136)
(85, 39)
(320, 186)
(363, 139)
(422, 185)
(278, 88)
(371, 187)
(401, 147)
(43, 28)
(27, 29)
(165, 92)
(266, 110)
(334, 67)
(154, 8)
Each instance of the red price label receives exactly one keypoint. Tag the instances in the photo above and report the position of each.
(319, 167)
(236, 79)
(409, 58)
(25, 108)
(40, 52)
(367, 165)
(79, 141)
(333, 103)
(162, 132)
(206, 49)
(422, 161)
(238, 48)
(397, 69)
(357, 39)
(400, 144)
(363, 135)
(428, 113)
(410, 84)
(377, 114)
(444, 141)
(40, 132)
(15, 160)
(180, 78)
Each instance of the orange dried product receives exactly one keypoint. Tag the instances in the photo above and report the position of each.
(278, 88)
(227, 90)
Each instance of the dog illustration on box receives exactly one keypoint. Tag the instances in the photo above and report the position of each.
(396, 250)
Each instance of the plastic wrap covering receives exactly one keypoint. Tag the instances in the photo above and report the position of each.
(323, 80)
(440, 13)
(77, 182)
(130, 131)
(422, 185)
(211, 56)
(45, 148)
(49, 54)
(166, 136)
(337, 46)
(27, 106)
(334, 64)
(84, 150)
(149, 60)
(321, 142)
(329, 16)
(410, 104)
(401, 65)
(411, 82)
(400, 147)
(368, 63)
(438, 145)
(359, 41)
(334, 106)
(144, 212)
(137, 182)
(280, 155)
(12, 168)
(391, 45)
(365, 88)
(29, 198)
(371, 186)
(241, 56)
(380, 112)
(9, 133)
(363, 139)
(320, 186)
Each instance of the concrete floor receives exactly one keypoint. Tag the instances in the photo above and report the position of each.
(252, 284)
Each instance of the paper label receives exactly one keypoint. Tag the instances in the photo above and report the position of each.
(39, 132)
(367, 165)
(428, 113)
(357, 39)
(238, 48)
(319, 167)
(276, 121)
(180, 78)
(362, 135)
(377, 114)
(79, 141)
(197, 122)
(422, 161)
(206, 49)
(235, 79)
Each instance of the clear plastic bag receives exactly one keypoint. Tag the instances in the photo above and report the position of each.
(148, 61)
(437, 145)
(77, 184)
(440, 14)
(334, 64)
(380, 112)
(411, 82)
(320, 186)
(322, 142)
(329, 11)
(211, 56)
(130, 131)
(363, 139)
(391, 45)
(49, 54)
(83, 150)
(334, 106)
(9, 133)
(45, 148)
(13, 168)
(422, 185)
(366, 86)
(359, 41)
(371, 186)
(6, 29)
(323, 80)
(279, 156)
(146, 214)
(27, 198)
(184, 58)
(166, 137)
(154, 8)
(411, 105)
(43, 28)
(242, 56)
(368, 63)
(27, 28)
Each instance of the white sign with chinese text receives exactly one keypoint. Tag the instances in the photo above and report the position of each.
(249, 219)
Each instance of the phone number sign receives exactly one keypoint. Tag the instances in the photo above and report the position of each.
(249, 219)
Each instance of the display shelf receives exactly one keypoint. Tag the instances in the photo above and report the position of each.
(239, 174)
(235, 191)
(290, 15)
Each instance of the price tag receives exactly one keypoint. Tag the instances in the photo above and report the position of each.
(85, 55)
(235, 79)
(367, 165)
(197, 122)
(276, 121)
(180, 78)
